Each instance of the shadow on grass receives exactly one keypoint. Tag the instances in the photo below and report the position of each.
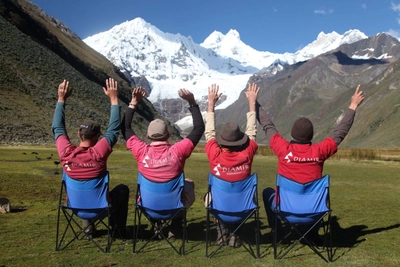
(352, 236)
(342, 238)
(16, 209)
(196, 231)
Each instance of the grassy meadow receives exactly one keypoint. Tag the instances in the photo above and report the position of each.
(365, 198)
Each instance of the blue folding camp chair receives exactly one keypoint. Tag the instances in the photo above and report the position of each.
(160, 203)
(83, 199)
(233, 203)
(305, 208)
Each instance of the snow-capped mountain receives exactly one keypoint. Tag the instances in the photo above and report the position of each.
(172, 61)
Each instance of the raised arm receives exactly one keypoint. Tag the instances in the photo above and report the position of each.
(266, 123)
(111, 90)
(58, 125)
(343, 128)
(137, 94)
(251, 94)
(198, 123)
(213, 96)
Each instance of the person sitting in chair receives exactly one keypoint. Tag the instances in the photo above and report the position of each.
(88, 160)
(161, 161)
(301, 160)
(230, 152)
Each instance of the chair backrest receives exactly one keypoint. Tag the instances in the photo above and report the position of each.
(160, 200)
(231, 202)
(302, 203)
(87, 197)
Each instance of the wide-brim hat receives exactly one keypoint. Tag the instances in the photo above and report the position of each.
(231, 135)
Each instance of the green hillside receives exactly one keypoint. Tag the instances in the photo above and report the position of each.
(37, 52)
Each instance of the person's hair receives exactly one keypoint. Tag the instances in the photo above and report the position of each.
(84, 137)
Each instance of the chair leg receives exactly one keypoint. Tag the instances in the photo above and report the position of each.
(222, 232)
(177, 221)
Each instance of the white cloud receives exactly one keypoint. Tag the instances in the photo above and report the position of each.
(395, 7)
(320, 11)
(394, 33)
(323, 11)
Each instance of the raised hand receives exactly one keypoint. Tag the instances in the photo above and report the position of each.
(137, 94)
(63, 91)
(111, 90)
(187, 95)
(252, 94)
(356, 99)
(213, 94)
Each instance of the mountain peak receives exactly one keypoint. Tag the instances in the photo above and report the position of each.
(214, 38)
(323, 36)
(233, 34)
(327, 42)
(170, 61)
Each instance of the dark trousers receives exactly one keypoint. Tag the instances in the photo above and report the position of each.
(119, 202)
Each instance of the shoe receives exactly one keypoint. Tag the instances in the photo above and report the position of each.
(235, 241)
(90, 232)
(171, 235)
(156, 229)
(175, 229)
(124, 234)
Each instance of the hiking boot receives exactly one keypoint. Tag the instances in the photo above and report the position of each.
(235, 241)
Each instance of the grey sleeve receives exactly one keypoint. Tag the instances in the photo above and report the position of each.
(266, 122)
(343, 128)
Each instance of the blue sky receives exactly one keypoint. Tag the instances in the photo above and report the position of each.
(276, 26)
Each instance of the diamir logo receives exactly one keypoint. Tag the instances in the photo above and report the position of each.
(287, 157)
(67, 166)
(144, 161)
(216, 169)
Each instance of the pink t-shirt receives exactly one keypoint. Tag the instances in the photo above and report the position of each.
(82, 162)
(160, 161)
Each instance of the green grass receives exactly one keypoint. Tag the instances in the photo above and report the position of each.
(364, 196)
